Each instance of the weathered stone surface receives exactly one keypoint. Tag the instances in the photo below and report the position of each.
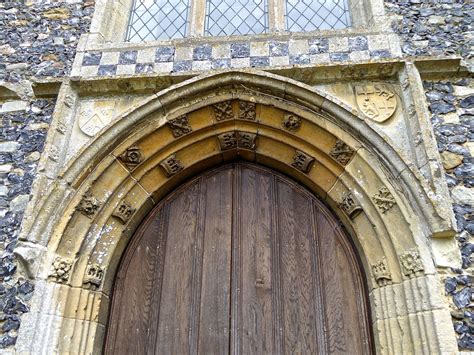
(450, 160)
(463, 195)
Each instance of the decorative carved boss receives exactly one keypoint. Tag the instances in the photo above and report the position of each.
(61, 269)
(381, 273)
(89, 205)
(350, 206)
(384, 199)
(224, 111)
(237, 139)
(342, 152)
(171, 165)
(180, 126)
(132, 157)
(411, 263)
(302, 161)
(93, 277)
(123, 212)
(376, 101)
(291, 122)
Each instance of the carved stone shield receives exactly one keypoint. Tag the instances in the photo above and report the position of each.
(376, 101)
(90, 123)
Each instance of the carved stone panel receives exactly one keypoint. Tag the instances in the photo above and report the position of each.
(302, 161)
(350, 206)
(132, 157)
(89, 205)
(236, 139)
(381, 273)
(411, 263)
(61, 270)
(123, 212)
(180, 126)
(384, 199)
(223, 111)
(376, 101)
(291, 122)
(171, 165)
(94, 276)
(342, 152)
(247, 110)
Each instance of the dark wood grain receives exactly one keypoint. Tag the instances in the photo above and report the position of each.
(175, 321)
(295, 231)
(240, 260)
(255, 272)
(214, 322)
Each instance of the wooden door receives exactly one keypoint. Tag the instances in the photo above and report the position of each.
(240, 260)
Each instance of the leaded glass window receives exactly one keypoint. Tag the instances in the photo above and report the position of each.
(158, 19)
(236, 17)
(310, 15)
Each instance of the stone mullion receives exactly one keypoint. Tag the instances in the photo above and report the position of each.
(196, 16)
(276, 16)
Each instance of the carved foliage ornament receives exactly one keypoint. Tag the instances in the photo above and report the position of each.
(235, 139)
(376, 101)
(381, 273)
(247, 110)
(171, 165)
(302, 161)
(180, 126)
(94, 276)
(89, 205)
(384, 199)
(342, 152)
(61, 269)
(411, 262)
(223, 110)
(132, 157)
(123, 212)
(350, 206)
(291, 122)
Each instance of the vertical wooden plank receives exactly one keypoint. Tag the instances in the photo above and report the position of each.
(236, 279)
(176, 305)
(254, 253)
(341, 294)
(214, 321)
(135, 304)
(298, 296)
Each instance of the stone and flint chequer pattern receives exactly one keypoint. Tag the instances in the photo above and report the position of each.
(255, 54)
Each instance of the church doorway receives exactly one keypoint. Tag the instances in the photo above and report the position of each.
(240, 260)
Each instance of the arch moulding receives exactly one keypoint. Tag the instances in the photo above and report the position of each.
(89, 213)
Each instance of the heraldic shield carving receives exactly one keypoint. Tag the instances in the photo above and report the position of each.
(376, 101)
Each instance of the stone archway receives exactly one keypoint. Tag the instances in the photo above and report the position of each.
(90, 212)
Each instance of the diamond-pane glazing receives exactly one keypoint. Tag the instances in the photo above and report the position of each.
(309, 15)
(158, 19)
(236, 17)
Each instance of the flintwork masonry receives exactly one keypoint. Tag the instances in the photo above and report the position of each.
(375, 120)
